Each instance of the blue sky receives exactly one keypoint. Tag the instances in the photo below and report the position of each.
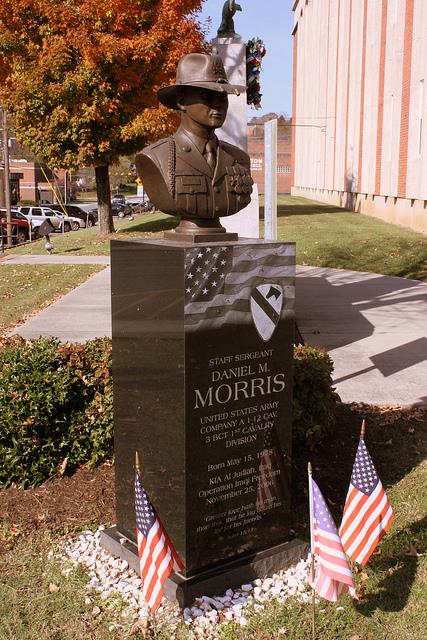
(270, 20)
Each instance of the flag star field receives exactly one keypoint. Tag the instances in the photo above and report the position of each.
(364, 476)
(145, 516)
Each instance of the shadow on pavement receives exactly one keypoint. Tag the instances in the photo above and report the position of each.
(337, 309)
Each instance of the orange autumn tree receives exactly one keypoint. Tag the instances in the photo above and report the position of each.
(79, 77)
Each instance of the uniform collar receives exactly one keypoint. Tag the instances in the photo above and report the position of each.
(199, 143)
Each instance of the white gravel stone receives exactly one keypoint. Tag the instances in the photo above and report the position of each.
(268, 582)
(223, 599)
(109, 575)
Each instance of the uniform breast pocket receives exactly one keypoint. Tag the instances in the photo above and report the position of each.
(192, 195)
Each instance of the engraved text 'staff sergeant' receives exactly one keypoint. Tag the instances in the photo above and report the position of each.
(193, 174)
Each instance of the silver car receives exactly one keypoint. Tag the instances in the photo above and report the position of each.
(37, 215)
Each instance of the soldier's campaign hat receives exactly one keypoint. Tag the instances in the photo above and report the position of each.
(198, 70)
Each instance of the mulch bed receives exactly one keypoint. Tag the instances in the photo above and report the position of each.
(85, 497)
(88, 496)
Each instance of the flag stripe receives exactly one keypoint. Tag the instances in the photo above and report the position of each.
(336, 572)
(155, 571)
(146, 544)
(357, 523)
(383, 526)
(150, 566)
(370, 521)
(327, 549)
(354, 502)
(164, 566)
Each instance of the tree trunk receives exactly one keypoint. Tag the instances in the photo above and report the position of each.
(104, 200)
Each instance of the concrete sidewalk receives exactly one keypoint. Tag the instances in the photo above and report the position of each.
(55, 259)
(374, 328)
(80, 315)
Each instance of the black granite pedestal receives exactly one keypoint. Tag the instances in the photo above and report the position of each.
(202, 370)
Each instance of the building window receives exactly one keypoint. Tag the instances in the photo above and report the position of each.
(284, 168)
(256, 164)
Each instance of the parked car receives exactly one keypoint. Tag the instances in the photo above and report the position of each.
(118, 197)
(37, 215)
(120, 210)
(20, 226)
(87, 213)
(76, 223)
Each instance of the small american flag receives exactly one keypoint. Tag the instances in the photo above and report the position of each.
(333, 576)
(157, 556)
(367, 512)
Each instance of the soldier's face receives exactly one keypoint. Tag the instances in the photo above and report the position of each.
(207, 108)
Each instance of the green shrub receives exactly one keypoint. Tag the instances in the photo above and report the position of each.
(56, 403)
(314, 397)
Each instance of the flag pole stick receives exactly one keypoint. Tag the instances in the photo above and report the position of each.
(137, 463)
(363, 429)
(313, 592)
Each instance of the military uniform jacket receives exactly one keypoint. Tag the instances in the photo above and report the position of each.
(179, 181)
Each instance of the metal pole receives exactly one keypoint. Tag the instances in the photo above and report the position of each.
(270, 159)
(65, 188)
(313, 592)
(6, 178)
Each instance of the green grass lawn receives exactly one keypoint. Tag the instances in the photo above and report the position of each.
(89, 242)
(27, 288)
(326, 236)
(392, 588)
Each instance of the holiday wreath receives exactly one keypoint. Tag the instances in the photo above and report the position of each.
(255, 51)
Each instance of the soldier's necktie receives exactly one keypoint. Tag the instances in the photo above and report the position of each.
(210, 154)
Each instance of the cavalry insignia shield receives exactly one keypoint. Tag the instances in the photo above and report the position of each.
(266, 305)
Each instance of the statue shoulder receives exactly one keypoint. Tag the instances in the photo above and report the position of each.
(156, 150)
(238, 154)
(153, 165)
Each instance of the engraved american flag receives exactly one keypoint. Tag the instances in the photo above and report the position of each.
(219, 281)
(270, 490)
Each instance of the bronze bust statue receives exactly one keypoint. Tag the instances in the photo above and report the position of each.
(226, 28)
(193, 174)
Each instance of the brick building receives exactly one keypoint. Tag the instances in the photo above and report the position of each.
(256, 152)
(27, 180)
(359, 103)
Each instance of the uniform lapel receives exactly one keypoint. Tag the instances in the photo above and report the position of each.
(189, 153)
(224, 160)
